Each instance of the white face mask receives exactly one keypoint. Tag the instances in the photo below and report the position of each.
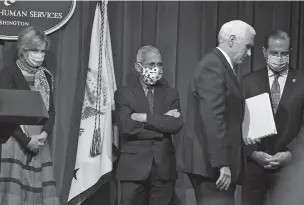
(151, 75)
(34, 59)
(278, 64)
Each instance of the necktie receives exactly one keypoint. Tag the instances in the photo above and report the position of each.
(150, 98)
(275, 92)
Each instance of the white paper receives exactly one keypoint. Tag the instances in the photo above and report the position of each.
(258, 119)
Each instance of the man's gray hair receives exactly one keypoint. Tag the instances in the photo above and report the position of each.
(144, 50)
(237, 28)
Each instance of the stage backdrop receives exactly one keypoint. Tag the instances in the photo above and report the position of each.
(183, 31)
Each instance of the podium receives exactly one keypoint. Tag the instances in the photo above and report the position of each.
(23, 107)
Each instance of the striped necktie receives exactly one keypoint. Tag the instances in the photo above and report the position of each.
(275, 93)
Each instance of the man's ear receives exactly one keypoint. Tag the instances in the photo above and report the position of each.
(231, 40)
(138, 68)
(264, 52)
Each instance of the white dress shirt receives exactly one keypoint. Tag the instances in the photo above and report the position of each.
(282, 79)
(227, 58)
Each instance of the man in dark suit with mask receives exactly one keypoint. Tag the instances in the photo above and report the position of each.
(285, 86)
(147, 113)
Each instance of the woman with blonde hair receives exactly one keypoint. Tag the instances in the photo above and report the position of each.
(26, 175)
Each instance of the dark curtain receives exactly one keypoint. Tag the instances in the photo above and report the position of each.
(67, 59)
(183, 31)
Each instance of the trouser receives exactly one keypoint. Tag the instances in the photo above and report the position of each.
(206, 192)
(152, 191)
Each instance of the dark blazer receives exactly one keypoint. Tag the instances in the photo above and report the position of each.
(12, 78)
(144, 141)
(289, 117)
(212, 136)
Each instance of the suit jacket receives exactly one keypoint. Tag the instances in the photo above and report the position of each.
(212, 134)
(289, 116)
(12, 78)
(143, 142)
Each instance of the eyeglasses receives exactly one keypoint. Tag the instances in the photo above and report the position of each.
(36, 50)
(154, 64)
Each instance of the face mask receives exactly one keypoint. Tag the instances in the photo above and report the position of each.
(33, 58)
(151, 75)
(278, 64)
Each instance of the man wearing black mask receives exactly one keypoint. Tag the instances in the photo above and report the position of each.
(285, 86)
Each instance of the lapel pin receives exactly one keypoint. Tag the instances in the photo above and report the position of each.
(294, 80)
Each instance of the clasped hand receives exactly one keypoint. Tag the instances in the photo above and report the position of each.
(271, 161)
(37, 142)
(263, 159)
(142, 117)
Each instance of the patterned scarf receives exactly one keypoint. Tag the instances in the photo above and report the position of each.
(40, 83)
